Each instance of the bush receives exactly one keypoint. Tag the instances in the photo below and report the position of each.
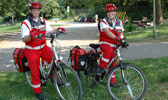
(98, 10)
(128, 26)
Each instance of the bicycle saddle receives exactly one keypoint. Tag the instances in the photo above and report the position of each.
(95, 46)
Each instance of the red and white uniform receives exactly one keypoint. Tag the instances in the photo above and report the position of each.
(36, 48)
(107, 44)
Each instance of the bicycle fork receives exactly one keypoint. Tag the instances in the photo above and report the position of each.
(122, 67)
(126, 83)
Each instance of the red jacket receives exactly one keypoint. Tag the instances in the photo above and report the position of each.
(115, 30)
(39, 28)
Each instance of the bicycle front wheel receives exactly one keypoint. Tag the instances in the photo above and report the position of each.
(134, 86)
(67, 83)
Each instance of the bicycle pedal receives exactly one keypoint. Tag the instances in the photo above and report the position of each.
(101, 81)
(43, 83)
(97, 78)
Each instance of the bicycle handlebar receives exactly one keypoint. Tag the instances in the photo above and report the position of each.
(122, 44)
(52, 36)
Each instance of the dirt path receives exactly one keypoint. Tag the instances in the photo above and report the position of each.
(80, 35)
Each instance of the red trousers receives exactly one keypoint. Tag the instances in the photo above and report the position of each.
(33, 57)
(108, 54)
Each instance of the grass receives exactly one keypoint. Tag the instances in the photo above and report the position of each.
(14, 86)
(146, 35)
(7, 29)
(17, 28)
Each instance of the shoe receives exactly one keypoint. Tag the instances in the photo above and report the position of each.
(99, 71)
(41, 96)
(114, 85)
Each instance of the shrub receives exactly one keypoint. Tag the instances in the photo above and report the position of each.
(128, 26)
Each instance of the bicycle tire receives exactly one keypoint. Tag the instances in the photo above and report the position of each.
(28, 78)
(28, 73)
(68, 86)
(135, 79)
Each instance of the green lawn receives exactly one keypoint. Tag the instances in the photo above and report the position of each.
(14, 86)
(7, 29)
(146, 35)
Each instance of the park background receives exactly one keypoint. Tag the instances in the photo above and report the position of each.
(13, 12)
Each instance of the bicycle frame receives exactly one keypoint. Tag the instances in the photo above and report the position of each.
(118, 56)
(54, 61)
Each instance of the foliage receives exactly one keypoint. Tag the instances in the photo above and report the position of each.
(128, 26)
(97, 10)
(165, 11)
(46, 10)
(10, 8)
(57, 8)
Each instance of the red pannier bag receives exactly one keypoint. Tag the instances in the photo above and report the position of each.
(20, 60)
(78, 58)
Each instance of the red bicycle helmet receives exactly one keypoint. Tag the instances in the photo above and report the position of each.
(110, 7)
(34, 5)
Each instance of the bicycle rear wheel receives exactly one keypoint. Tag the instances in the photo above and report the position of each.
(135, 88)
(87, 76)
(28, 78)
(67, 83)
(43, 70)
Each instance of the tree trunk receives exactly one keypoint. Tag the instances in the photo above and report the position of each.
(159, 16)
(13, 23)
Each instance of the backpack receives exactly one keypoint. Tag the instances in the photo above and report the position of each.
(78, 58)
(20, 60)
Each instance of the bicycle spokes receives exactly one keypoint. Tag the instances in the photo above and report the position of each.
(67, 83)
(132, 83)
(127, 84)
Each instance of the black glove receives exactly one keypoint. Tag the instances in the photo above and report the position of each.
(117, 39)
(124, 45)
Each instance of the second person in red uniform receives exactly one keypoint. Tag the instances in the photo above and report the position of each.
(110, 29)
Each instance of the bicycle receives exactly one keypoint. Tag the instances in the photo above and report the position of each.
(131, 80)
(63, 77)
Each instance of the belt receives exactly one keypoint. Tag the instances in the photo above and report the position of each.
(35, 48)
(103, 42)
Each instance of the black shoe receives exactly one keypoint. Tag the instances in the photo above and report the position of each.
(99, 71)
(41, 96)
(114, 85)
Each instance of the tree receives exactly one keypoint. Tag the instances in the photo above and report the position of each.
(11, 7)
(159, 16)
(50, 8)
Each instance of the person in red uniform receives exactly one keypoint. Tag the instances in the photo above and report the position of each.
(35, 47)
(110, 29)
